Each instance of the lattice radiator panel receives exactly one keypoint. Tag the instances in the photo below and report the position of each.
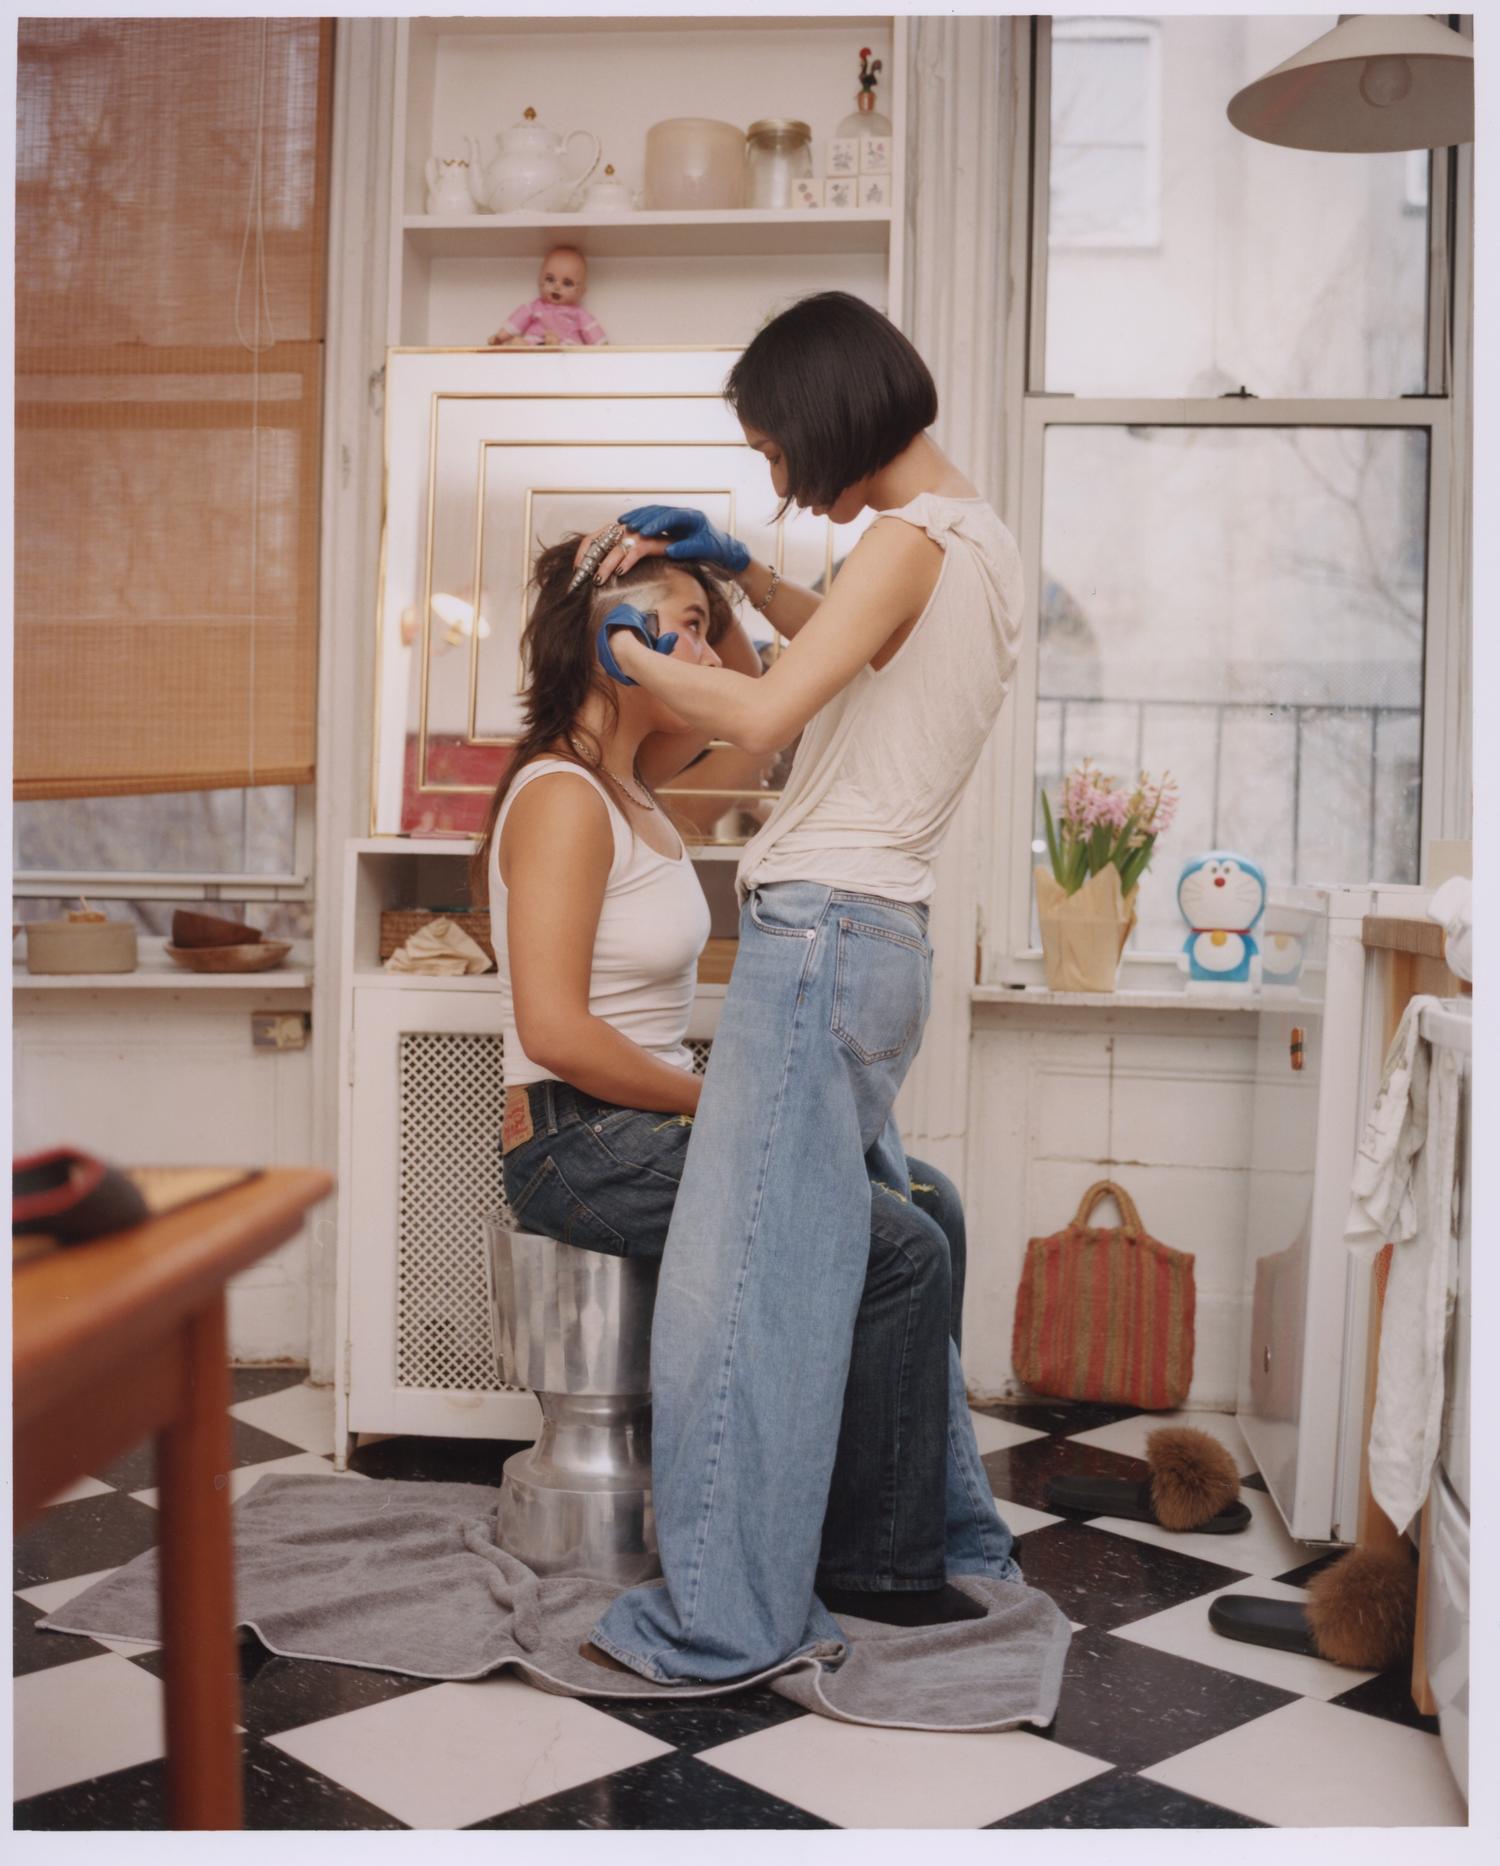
(452, 1107)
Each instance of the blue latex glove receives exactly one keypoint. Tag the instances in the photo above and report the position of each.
(625, 615)
(693, 537)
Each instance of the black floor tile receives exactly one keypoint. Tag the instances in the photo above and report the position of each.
(1063, 1417)
(1299, 1577)
(1121, 1800)
(32, 1651)
(667, 1792)
(1022, 1472)
(700, 1723)
(281, 1792)
(1107, 1581)
(256, 1382)
(437, 1460)
(136, 1469)
(1133, 1706)
(128, 1798)
(278, 1693)
(83, 1537)
(1386, 1695)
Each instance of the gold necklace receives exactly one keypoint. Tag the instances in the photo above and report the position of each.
(648, 802)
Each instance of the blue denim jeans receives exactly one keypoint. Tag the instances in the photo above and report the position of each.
(605, 1177)
(765, 1261)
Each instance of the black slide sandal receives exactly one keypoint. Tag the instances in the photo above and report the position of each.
(1280, 1624)
(1119, 1496)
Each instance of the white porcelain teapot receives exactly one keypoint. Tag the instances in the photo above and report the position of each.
(528, 169)
(448, 189)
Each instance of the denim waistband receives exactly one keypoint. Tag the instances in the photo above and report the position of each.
(553, 1106)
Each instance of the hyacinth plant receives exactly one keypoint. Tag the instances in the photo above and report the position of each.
(1102, 824)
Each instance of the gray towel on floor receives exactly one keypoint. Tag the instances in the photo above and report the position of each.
(406, 1577)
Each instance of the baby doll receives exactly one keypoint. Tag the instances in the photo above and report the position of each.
(555, 315)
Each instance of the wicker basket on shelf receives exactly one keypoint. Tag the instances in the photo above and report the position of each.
(397, 924)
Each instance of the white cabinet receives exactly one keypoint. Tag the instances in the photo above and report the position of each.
(654, 278)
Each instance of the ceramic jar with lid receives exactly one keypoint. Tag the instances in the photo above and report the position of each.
(778, 152)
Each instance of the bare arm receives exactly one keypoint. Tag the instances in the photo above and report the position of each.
(664, 754)
(884, 583)
(555, 855)
(788, 609)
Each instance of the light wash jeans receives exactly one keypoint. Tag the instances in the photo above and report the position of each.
(760, 1284)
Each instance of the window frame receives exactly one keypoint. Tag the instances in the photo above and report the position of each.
(1008, 956)
(1148, 33)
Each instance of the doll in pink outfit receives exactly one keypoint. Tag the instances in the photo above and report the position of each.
(555, 315)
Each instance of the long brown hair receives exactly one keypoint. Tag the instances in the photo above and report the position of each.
(562, 669)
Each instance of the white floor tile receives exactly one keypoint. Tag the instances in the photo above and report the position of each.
(860, 1777)
(51, 1595)
(85, 1487)
(74, 1722)
(1020, 1519)
(459, 1753)
(302, 1415)
(1128, 1436)
(1262, 1547)
(245, 1476)
(1184, 1631)
(1312, 1764)
(999, 1434)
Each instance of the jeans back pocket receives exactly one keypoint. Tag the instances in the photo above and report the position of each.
(880, 989)
(549, 1207)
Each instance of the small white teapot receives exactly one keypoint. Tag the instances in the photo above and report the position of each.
(608, 195)
(448, 190)
(528, 169)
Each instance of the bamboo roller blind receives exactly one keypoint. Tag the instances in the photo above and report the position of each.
(171, 207)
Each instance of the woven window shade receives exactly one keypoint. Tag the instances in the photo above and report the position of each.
(171, 205)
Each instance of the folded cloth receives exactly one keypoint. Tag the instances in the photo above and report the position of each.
(441, 948)
(1405, 1193)
(407, 1577)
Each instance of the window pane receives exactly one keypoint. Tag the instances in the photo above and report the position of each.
(246, 832)
(1244, 608)
(1288, 271)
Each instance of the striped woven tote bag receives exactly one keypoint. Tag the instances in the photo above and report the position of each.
(1106, 1312)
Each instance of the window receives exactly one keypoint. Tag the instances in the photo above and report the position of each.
(1106, 133)
(1236, 447)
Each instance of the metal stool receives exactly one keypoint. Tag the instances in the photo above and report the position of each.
(575, 1327)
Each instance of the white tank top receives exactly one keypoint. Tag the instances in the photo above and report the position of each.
(653, 924)
(881, 768)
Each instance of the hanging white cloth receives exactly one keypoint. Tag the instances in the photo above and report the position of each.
(1404, 1192)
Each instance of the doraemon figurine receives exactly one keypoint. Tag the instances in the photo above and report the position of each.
(1222, 897)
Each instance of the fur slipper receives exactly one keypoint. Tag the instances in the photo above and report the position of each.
(1194, 1485)
(1361, 1611)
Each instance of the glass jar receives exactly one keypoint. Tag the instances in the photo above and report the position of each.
(693, 164)
(778, 152)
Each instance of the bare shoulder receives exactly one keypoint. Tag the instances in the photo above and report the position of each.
(559, 812)
(901, 556)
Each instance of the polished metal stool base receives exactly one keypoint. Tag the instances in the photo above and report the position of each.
(575, 1327)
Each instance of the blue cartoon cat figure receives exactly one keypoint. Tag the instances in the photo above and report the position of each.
(1222, 896)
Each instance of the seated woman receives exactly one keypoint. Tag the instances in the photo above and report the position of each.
(598, 919)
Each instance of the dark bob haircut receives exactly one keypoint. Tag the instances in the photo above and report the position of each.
(838, 388)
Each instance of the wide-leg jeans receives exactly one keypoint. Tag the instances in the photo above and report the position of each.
(765, 1260)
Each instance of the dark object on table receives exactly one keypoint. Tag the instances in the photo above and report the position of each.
(190, 929)
(71, 1197)
(261, 955)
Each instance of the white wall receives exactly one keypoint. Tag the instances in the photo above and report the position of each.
(170, 1079)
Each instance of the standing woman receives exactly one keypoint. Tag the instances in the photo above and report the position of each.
(894, 679)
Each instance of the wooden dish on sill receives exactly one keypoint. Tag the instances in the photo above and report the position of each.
(263, 956)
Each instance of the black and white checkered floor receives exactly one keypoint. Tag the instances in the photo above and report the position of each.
(1161, 1724)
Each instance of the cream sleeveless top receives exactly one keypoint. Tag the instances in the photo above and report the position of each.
(653, 924)
(881, 768)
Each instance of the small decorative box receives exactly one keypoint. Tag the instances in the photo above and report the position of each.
(874, 191)
(843, 155)
(838, 191)
(806, 192)
(874, 155)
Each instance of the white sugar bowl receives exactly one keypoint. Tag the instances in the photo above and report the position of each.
(608, 195)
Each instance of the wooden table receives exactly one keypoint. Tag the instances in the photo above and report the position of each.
(123, 1338)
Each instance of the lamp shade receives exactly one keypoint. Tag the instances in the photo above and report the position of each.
(1378, 81)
